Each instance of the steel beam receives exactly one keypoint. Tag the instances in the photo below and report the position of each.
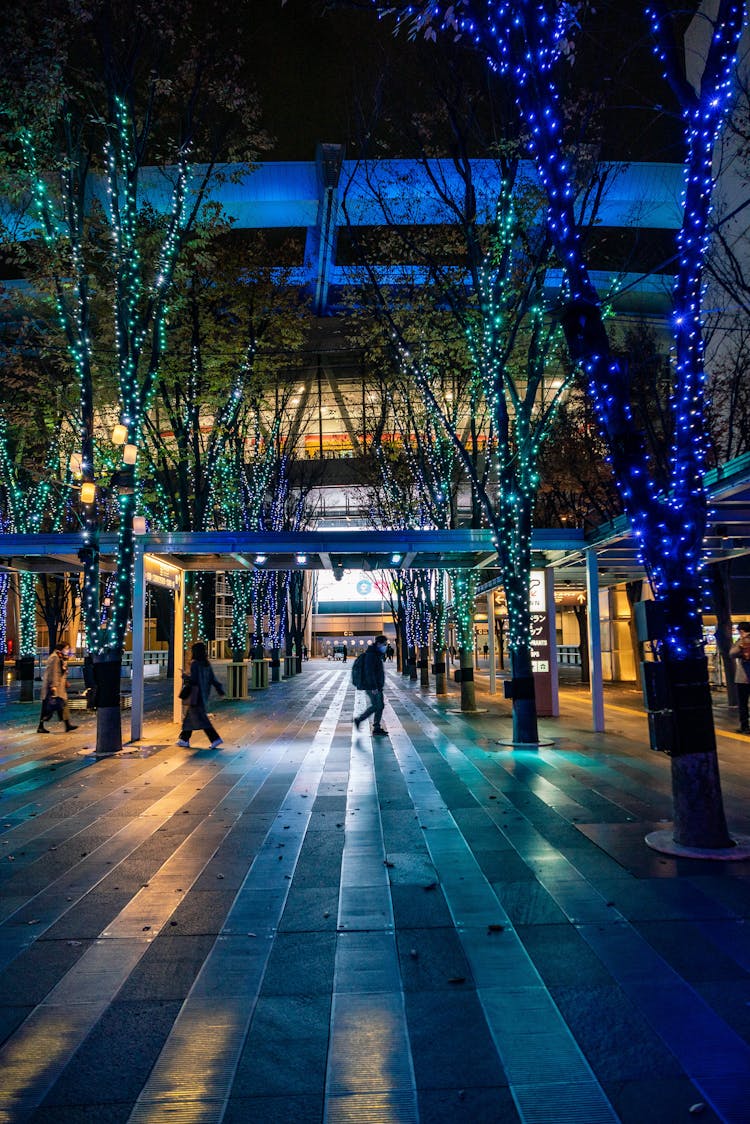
(138, 638)
(179, 648)
(491, 640)
(595, 641)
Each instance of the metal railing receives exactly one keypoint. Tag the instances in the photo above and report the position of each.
(154, 657)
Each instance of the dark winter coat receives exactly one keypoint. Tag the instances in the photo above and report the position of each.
(201, 680)
(373, 672)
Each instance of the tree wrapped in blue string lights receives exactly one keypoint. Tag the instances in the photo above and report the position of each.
(527, 41)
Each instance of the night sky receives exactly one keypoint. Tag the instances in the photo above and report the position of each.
(313, 69)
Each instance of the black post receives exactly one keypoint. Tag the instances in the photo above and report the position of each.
(25, 676)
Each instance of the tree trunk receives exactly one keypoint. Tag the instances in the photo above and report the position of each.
(698, 809)
(699, 819)
(424, 666)
(400, 631)
(25, 676)
(411, 664)
(525, 731)
(53, 607)
(500, 634)
(581, 615)
(441, 676)
(468, 688)
(290, 663)
(108, 715)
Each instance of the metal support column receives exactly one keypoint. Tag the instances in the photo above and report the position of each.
(179, 647)
(308, 594)
(491, 639)
(595, 641)
(549, 600)
(139, 646)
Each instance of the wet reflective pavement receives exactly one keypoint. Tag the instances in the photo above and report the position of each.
(311, 925)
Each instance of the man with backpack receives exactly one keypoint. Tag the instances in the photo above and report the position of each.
(368, 675)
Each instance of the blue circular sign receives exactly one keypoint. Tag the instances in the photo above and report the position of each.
(364, 587)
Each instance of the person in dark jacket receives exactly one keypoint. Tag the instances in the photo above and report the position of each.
(373, 681)
(201, 680)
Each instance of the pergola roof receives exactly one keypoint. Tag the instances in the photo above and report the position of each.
(728, 531)
(285, 550)
(337, 549)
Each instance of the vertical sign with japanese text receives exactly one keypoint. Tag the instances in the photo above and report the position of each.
(543, 643)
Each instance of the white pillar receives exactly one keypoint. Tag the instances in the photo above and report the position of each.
(179, 648)
(139, 624)
(549, 600)
(308, 593)
(491, 639)
(595, 641)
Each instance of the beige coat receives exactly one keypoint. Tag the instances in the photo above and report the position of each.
(54, 680)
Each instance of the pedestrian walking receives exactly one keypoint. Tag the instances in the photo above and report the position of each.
(305, 653)
(200, 680)
(344, 653)
(55, 690)
(741, 654)
(372, 683)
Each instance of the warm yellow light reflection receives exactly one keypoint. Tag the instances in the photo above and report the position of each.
(34, 1057)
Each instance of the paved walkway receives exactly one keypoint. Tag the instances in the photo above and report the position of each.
(308, 925)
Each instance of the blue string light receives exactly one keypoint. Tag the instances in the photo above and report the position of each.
(526, 41)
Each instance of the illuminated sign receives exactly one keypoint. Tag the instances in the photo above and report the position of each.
(353, 585)
(541, 646)
(161, 573)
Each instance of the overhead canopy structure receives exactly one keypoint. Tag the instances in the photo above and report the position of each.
(285, 550)
(728, 536)
(727, 533)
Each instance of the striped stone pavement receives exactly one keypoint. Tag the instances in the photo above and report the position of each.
(312, 925)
